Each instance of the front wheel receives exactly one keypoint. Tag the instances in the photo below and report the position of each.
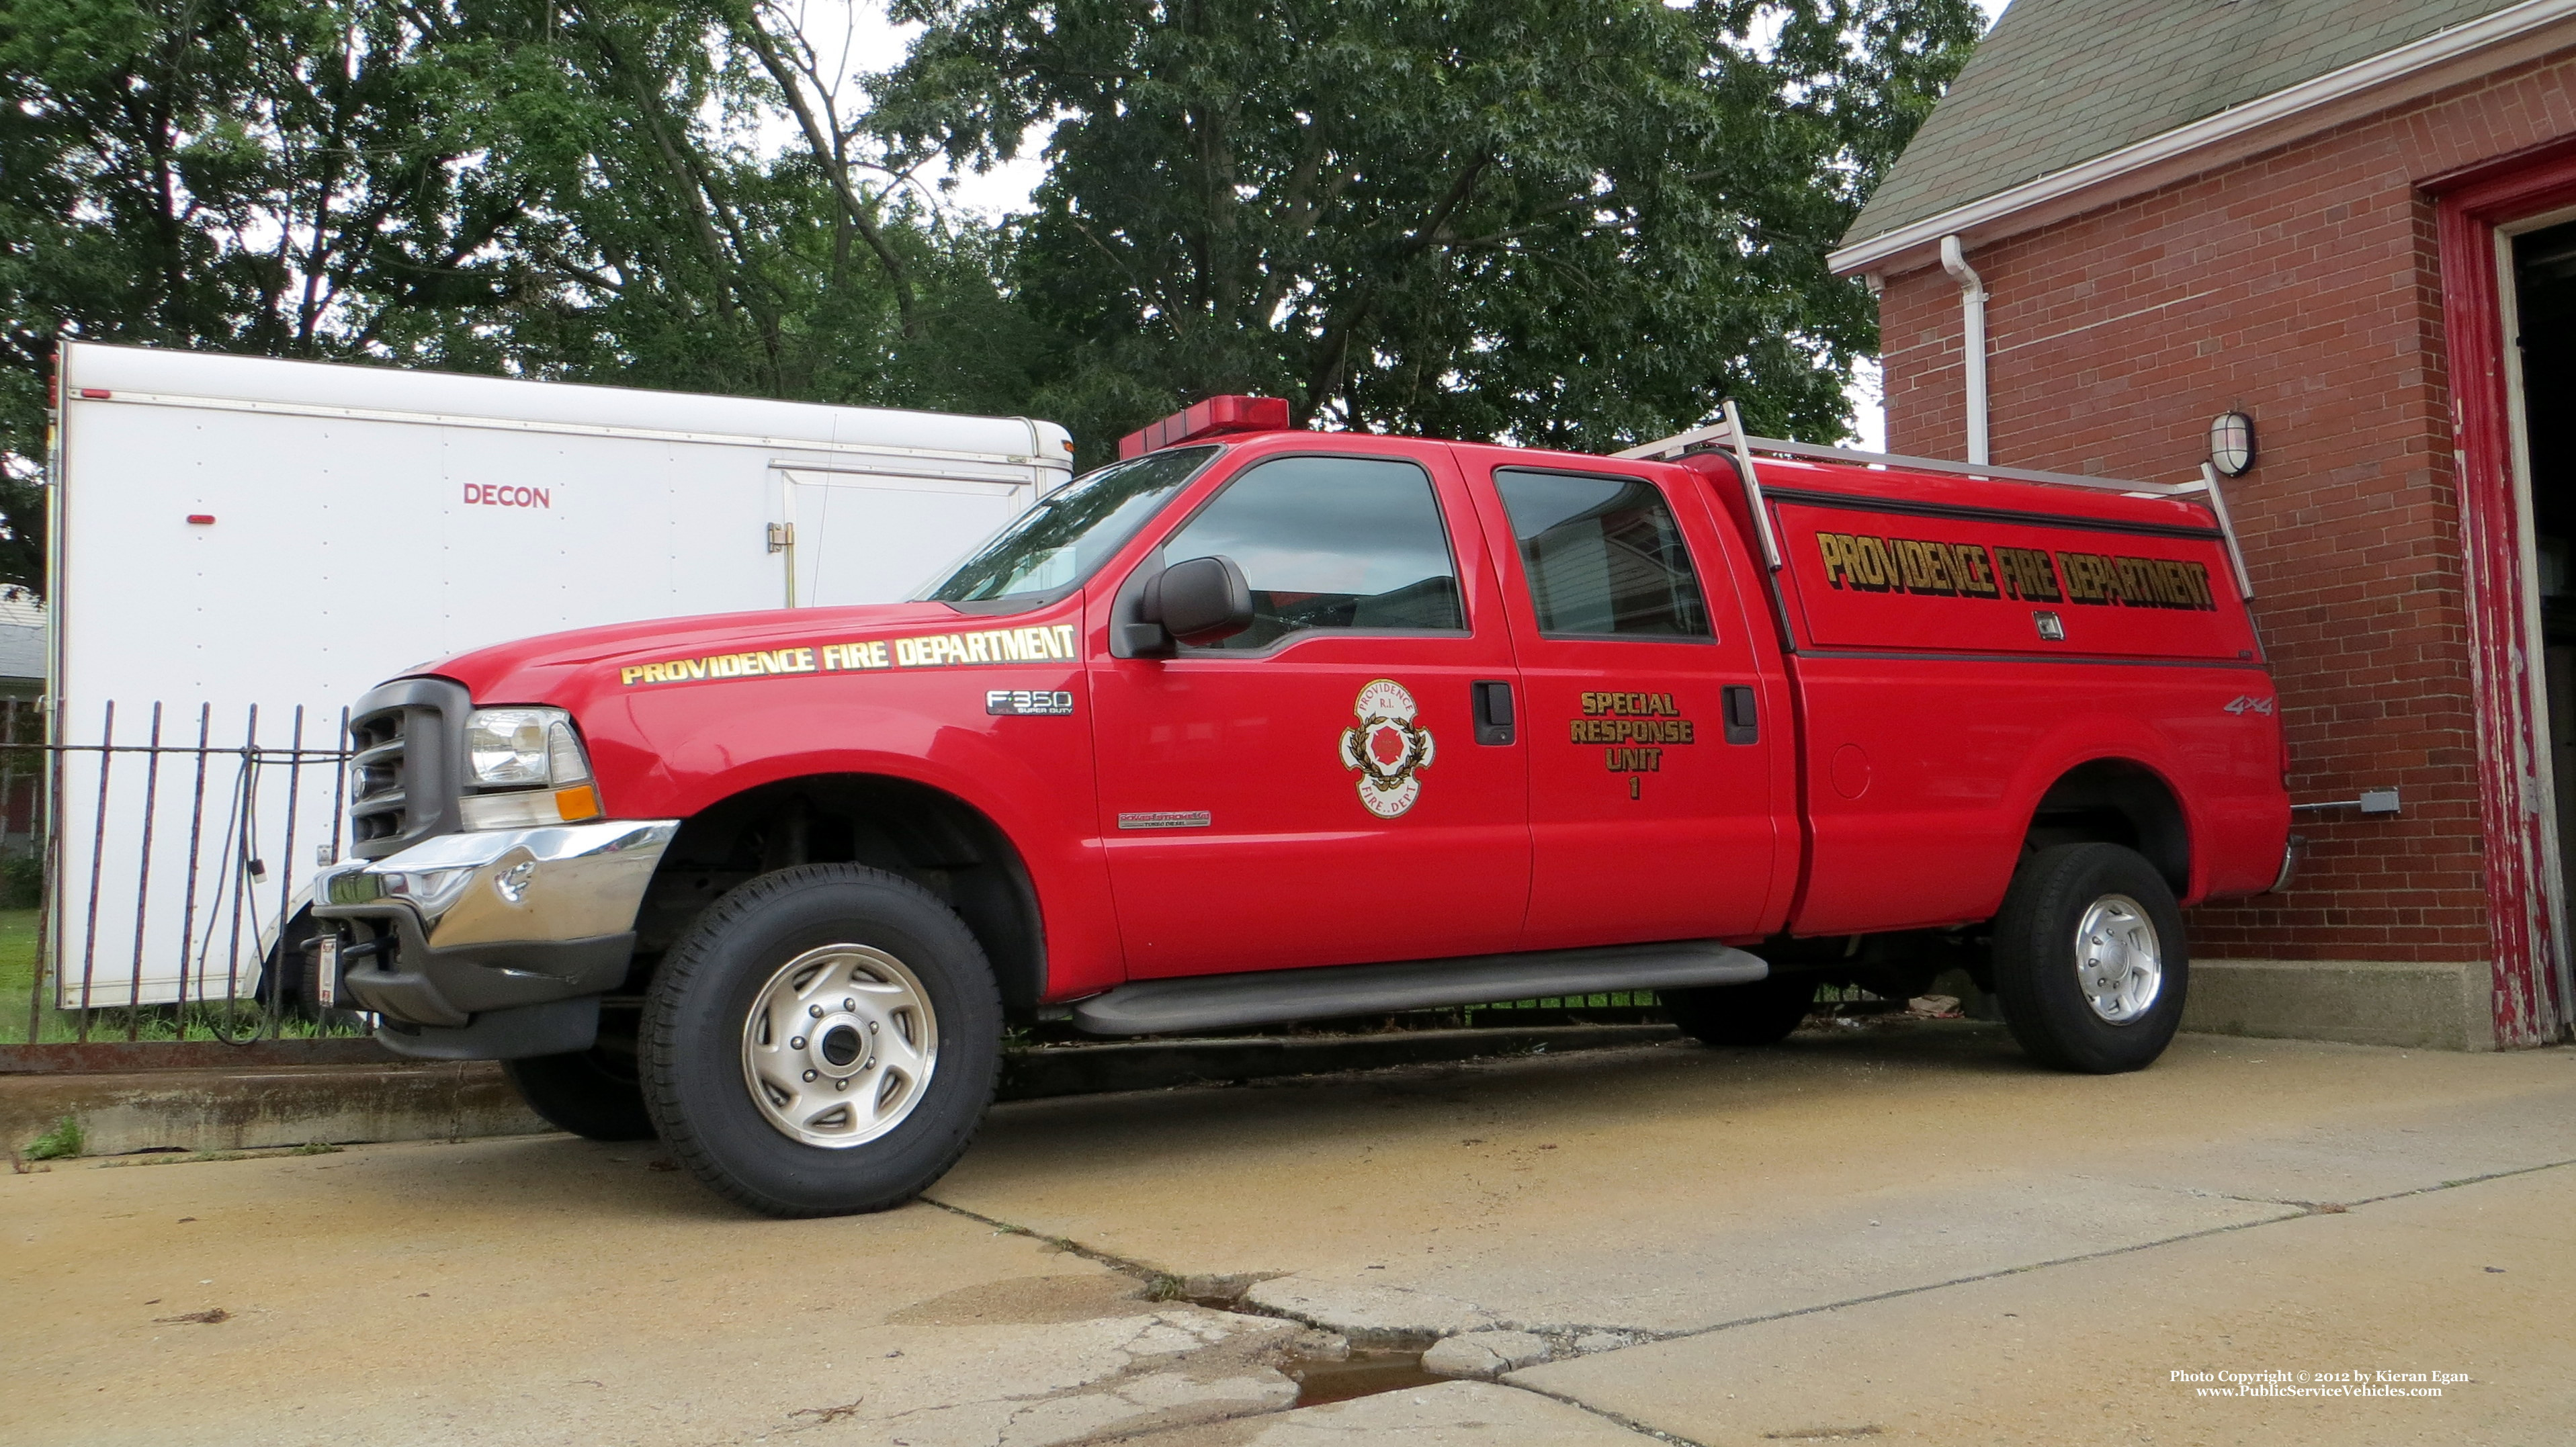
(824, 1040)
(2090, 964)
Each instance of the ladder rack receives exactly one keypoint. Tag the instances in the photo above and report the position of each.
(1729, 435)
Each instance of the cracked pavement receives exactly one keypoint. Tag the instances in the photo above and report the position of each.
(1894, 1235)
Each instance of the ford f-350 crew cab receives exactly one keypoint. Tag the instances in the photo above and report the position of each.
(1257, 725)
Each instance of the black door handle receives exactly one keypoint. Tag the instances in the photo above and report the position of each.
(1493, 709)
(1743, 725)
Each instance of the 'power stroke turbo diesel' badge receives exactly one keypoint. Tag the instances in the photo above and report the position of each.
(1387, 747)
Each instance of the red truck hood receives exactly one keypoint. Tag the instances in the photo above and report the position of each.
(531, 670)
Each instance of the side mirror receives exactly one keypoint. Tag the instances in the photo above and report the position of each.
(1198, 602)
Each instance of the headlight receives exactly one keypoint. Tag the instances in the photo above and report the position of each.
(534, 754)
(511, 748)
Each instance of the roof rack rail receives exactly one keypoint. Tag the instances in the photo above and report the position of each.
(1731, 436)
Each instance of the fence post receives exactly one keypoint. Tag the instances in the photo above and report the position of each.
(49, 855)
(196, 835)
(97, 861)
(143, 877)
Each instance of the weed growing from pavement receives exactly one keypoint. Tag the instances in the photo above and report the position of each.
(62, 1143)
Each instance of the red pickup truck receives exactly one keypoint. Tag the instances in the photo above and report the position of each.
(1258, 725)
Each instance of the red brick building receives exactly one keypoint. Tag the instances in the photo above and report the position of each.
(2353, 221)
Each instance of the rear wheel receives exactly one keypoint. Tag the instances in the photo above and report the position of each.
(2090, 963)
(824, 1040)
(593, 1093)
(1762, 1012)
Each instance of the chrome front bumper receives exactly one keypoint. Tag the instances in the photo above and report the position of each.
(462, 924)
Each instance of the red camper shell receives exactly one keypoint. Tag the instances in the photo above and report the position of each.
(1962, 646)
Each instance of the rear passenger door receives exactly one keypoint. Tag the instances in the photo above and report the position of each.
(1314, 791)
(1653, 737)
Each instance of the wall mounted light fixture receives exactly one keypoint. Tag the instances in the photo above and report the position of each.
(2231, 443)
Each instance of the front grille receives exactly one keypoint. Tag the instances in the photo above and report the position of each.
(406, 739)
(376, 804)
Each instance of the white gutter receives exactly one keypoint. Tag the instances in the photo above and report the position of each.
(1972, 342)
(2195, 147)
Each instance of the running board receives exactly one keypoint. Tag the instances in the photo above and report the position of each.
(1275, 997)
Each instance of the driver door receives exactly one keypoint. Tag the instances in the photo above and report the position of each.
(1314, 791)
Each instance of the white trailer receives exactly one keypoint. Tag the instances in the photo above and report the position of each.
(232, 533)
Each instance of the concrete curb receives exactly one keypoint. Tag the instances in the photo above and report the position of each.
(253, 1108)
(230, 1110)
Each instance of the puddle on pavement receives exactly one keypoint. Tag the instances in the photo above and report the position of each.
(1363, 1373)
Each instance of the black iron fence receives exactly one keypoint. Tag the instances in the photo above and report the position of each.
(148, 861)
(151, 857)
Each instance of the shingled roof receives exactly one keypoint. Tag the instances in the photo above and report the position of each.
(2057, 82)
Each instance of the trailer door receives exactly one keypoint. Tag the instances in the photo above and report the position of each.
(865, 537)
(1652, 809)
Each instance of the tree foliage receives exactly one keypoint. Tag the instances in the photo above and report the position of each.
(1566, 222)
(1572, 222)
(555, 188)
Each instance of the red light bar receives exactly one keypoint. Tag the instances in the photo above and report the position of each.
(1214, 417)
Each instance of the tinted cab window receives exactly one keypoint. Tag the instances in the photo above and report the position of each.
(1603, 556)
(1330, 543)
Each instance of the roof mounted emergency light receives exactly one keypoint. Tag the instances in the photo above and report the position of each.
(1215, 417)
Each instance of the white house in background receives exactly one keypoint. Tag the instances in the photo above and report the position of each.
(22, 648)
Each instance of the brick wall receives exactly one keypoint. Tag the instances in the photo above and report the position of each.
(2301, 287)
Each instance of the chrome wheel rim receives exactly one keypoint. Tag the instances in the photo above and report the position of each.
(839, 1046)
(2119, 966)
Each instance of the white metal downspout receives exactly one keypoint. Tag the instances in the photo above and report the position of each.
(1972, 344)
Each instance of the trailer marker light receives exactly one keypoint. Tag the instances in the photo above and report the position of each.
(577, 803)
(96, 394)
(201, 518)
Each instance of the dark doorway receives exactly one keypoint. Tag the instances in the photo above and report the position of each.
(2544, 267)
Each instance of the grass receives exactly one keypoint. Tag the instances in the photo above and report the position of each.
(195, 1021)
(61, 1143)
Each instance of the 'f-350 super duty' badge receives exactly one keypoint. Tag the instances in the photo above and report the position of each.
(1387, 747)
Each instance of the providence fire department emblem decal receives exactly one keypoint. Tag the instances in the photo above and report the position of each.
(1387, 748)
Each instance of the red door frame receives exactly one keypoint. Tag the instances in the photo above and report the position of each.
(2531, 992)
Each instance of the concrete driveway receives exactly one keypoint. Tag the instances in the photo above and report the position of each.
(1899, 1234)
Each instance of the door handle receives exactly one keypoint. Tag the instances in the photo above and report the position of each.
(1493, 710)
(1743, 725)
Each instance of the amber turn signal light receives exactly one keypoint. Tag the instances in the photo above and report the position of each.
(577, 803)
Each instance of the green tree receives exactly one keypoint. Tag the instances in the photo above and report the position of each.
(576, 189)
(1563, 222)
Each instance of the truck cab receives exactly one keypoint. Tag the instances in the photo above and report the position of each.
(1258, 725)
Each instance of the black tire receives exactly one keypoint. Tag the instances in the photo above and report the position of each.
(700, 1008)
(2037, 959)
(1763, 1012)
(593, 1093)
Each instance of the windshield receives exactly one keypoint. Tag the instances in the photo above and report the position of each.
(1058, 543)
